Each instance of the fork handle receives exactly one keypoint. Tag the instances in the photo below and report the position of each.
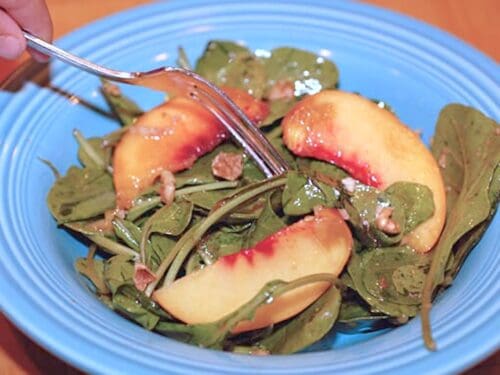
(53, 51)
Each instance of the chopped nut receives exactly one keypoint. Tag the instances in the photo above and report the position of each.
(384, 222)
(282, 90)
(228, 166)
(111, 89)
(142, 276)
(167, 187)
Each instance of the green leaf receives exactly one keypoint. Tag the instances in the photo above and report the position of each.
(124, 108)
(302, 194)
(93, 269)
(278, 144)
(355, 317)
(358, 270)
(411, 203)
(128, 232)
(81, 194)
(92, 153)
(229, 64)
(118, 271)
(308, 327)
(158, 250)
(208, 199)
(414, 201)
(182, 59)
(306, 72)
(395, 274)
(220, 242)
(317, 168)
(267, 224)
(467, 147)
(132, 303)
(251, 173)
(172, 220)
(143, 204)
(309, 72)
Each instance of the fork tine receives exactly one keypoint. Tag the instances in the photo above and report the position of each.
(254, 148)
(252, 135)
(235, 131)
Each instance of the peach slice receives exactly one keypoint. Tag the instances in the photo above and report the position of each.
(316, 244)
(171, 136)
(256, 110)
(371, 144)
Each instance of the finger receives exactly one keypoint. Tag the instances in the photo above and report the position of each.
(12, 42)
(31, 15)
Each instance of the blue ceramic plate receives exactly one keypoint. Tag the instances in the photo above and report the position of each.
(415, 68)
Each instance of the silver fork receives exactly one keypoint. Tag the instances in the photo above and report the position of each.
(182, 82)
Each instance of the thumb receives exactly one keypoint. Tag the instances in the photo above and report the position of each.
(12, 42)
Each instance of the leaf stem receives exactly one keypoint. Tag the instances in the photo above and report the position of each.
(112, 247)
(87, 147)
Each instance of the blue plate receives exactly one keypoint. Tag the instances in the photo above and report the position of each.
(415, 68)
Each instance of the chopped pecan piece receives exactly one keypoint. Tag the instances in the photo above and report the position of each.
(167, 187)
(228, 165)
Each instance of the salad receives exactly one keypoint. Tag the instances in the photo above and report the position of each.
(187, 237)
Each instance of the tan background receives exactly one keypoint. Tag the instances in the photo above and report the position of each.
(475, 21)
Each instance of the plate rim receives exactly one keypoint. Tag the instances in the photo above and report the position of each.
(29, 65)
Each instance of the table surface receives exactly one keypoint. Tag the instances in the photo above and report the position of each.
(474, 21)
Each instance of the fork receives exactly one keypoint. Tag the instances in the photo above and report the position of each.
(182, 82)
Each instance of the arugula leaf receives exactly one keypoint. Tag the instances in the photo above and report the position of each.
(124, 108)
(395, 274)
(303, 193)
(412, 204)
(93, 269)
(229, 64)
(306, 328)
(128, 232)
(318, 168)
(158, 249)
(132, 303)
(182, 59)
(309, 72)
(91, 153)
(172, 220)
(118, 271)
(467, 147)
(306, 72)
(267, 224)
(355, 317)
(81, 194)
(219, 243)
(357, 268)
(412, 201)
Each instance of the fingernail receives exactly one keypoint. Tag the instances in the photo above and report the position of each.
(10, 47)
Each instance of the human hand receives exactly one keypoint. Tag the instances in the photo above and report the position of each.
(31, 15)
